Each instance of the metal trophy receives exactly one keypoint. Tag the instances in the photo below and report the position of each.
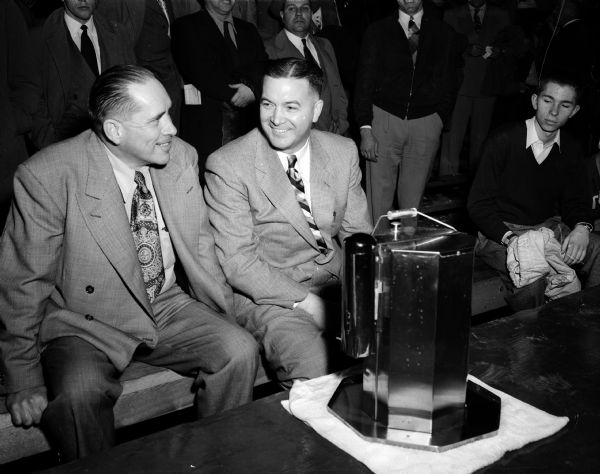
(407, 314)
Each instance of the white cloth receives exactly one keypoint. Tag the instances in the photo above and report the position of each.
(520, 424)
(536, 254)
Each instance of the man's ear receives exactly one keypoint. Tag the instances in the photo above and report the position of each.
(534, 98)
(113, 130)
(317, 108)
(574, 111)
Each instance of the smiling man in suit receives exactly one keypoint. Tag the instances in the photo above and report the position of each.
(295, 41)
(107, 257)
(281, 200)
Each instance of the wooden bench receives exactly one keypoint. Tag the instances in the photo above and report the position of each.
(150, 392)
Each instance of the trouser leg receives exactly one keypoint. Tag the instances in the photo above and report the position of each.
(196, 341)
(494, 255)
(83, 387)
(450, 162)
(422, 142)
(481, 119)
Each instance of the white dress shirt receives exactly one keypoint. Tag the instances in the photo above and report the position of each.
(403, 19)
(297, 42)
(125, 179)
(539, 149)
(74, 28)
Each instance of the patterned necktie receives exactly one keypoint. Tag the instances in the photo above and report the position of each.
(87, 50)
(413, 38)
(296, 181)
(144, 227)
(308, 55)
(476, 20)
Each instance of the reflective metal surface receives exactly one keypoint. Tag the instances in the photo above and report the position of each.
(407, 307)
(481, 419)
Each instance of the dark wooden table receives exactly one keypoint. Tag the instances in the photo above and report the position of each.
(549, 358)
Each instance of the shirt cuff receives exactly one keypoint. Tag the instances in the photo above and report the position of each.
(365, 126)
(506, 237)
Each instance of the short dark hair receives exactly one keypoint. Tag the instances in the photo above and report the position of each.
(562, 79)
(297, 69)
(110, 93)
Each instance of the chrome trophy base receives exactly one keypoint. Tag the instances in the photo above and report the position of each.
(482, 418)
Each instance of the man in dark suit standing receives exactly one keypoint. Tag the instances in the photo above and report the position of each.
(405, 91)
(149, 22)
(76, 45)
(290, 43)
(107, 257)
(18, 97)
(281, 201)
(223, 58)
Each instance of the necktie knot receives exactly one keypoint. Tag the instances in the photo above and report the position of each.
(292, 159)
(140, 181)
(84, 28)
(412, 26)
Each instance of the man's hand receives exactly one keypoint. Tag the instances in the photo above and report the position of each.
(26, 407)
(575, 245)
(315, 306)
(369, 146)
(243, 95)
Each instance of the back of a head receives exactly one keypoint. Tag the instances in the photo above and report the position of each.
(292, 68)
(110, 93)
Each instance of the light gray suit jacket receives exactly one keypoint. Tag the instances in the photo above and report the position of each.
(68, 259)
(335, 102)
(264, 244)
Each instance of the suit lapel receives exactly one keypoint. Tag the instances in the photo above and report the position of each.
(321, 191)
(103, 210)
(274, 182)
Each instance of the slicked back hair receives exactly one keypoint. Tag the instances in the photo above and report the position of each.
(292, 68)
(110, 93)
(562, 79)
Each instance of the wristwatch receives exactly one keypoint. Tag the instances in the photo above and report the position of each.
(587, 225)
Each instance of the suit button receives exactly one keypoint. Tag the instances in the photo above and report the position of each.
(89, 289)
(89, 317)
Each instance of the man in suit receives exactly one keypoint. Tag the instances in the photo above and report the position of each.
(405, 91)
(489, 62)
(149, 23)
(290, 43)
(107, 257)
(532, 175)
(18, 96)
(75, 45)
(222, 57)
(281, 201)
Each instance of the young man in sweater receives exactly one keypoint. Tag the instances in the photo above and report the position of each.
(532, 175)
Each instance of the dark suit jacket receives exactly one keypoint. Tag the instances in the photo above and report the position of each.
(264, 244)
(69, 263)
(486, 76)
(386, 77)
(67, 79)
(335, 103)
(18, 96)
(149, 29)
(203, 59)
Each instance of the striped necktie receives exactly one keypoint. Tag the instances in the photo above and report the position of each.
(296, 181)
(144, 227)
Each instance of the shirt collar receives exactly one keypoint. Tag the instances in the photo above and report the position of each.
(302, 154)
(124, 174)
(296, 40)
(75, 27)
(482, 9)
(221, 22)
(403, 18)
(532, 135)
